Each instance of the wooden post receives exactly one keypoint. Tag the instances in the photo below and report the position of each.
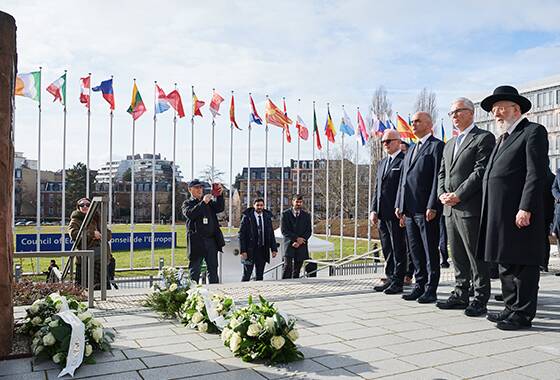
(7, 83)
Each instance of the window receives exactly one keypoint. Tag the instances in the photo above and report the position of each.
(539, 100)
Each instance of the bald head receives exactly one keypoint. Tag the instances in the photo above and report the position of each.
(421, 124)
(391, 141)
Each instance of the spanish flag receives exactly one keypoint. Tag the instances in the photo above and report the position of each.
(404, 129)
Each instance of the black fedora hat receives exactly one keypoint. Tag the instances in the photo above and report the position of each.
(506, 93)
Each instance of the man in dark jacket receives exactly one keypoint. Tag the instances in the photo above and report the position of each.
(513, 217)
(296, 229)
(204, 237)
(256, 240)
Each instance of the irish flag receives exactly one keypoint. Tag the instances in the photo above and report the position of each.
(29, 85)
(58, 89)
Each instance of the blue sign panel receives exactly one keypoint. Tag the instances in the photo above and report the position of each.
(119, 242)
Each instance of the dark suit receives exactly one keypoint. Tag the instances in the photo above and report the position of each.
(556, 195)
(461, 173)
(383, 204)
(417, 193)
(257, 247)
(514, 180)
(292, 228)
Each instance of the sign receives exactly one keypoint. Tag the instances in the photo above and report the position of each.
(119, 242)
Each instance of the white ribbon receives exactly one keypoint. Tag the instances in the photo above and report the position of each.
(213, 315)
(77, 339)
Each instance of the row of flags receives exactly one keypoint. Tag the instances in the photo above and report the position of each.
(29, 85)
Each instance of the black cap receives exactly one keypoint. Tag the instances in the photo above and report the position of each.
(506, 93)
(195, 182)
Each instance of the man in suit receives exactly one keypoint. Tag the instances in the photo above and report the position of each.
(556, 218)
(296, 229)
(256, 240)
(460, 191)
(383, 211)
(418, 205)
(513, 217)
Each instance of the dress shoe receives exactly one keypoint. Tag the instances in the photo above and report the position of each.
(499, 297)
(476, 309)
(498, 317)
(452, 303)
(380, 288)
(408, 280)
(427, 298)
(445, 265)
(383, 279)
(393, 289)
(413, 296)
(513, 324)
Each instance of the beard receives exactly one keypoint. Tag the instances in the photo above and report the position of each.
(504, 124)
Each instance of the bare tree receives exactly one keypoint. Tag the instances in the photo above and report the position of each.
(382, 109)
(426, 102)
(206, 175)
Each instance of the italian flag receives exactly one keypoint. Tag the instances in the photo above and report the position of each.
(29, 85)
(58, 89)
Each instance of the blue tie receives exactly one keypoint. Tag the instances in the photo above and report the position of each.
(458, 144)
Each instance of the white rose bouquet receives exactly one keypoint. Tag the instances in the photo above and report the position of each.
(170, 293)
(195, 313)
(260, 332)
(42, 310)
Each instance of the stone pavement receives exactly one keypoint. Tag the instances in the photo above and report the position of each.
(346, 332)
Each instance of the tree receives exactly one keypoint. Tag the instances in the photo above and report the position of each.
(382, 109)
(426, 102)
(76, 185)
(127, 175)
(207, 175)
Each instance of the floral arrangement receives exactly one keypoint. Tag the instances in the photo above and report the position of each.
(206, 313)
(260, 332)
(52, 335)
(170, 294)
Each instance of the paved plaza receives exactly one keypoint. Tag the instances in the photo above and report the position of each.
(346, 332)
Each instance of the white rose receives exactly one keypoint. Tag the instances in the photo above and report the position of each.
(57, 358)
(49, 339)
(97, 334)
(34, 309)
(36, 321)
(254, 329)
(226, 334)
(173, 287)
(89, 350)
(293, 335)
(202, 327)
(277, 342)
(269, 323)
(197, 317)
(235, 342)
(85, 315)
(234, 323)
(219, 308)
(53, 323)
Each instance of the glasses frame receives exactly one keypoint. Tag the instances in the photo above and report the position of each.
(388, 141)
(451, 113)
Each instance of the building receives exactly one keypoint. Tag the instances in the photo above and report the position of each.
(545, 97)
(143, 168)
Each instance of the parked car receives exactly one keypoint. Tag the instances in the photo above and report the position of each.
(30, 223)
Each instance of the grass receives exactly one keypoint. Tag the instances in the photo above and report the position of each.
(142, 258)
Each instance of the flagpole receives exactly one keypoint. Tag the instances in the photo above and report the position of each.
(63, 218)
(356, 192)
(110, 167)
(282, 168)
(173, 191)
(298, 171)
(153, 231)
(313, 175)
(88, 136)
(249, 163)
(327, 224)
(266, 161)
(213, 126)
(342, 190)
(230, 208)
(369, 195)
(38, 204)
(192, 137)
(132, 192)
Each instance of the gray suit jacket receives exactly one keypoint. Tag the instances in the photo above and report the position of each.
(463, 173)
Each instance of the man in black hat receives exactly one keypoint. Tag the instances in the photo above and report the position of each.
(512, 216)
(204, 237)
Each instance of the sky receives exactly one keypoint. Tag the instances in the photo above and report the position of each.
(335, 52)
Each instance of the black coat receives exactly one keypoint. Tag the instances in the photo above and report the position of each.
(418, 184)
(556, 195)
(515, 180)
(292, 228)
(386, 186)
(248, 234)
(195, 211)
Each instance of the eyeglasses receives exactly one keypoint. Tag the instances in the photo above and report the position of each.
(495, 110)
(83, 204)
(455, 112)
(388, 141)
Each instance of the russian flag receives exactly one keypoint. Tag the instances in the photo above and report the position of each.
(106, 88)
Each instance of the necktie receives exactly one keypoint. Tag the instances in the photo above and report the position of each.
(389, 161)
(503, 138)
(457, 144)
(416, 149)
(260, 240)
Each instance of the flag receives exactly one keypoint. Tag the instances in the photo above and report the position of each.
(287, 128)
(404, 129)
(232, 114)
(174, 98)
(362, 134)
(316, 130)
(84, 90)
(381, 127)
(443, 133)
(58, 89)
(29, 85)
(390, 124)
(106, 88)
(346, 125)
(330, 132)
(455, 131)
(161, 104)
(196, 105)
(254, 118)
(303, 133)
(215, 104)
(137, 107)
(275, 116)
